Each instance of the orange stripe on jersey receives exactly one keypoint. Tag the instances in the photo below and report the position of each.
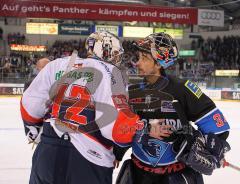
(125, 126)
(28, 118)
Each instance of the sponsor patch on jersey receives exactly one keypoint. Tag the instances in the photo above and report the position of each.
(166, 106)
(194, 88)
(94, 153)
(120, 101)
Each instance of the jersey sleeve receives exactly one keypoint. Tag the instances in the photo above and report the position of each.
(112, 106)
(203, 111)
(119, 151)
(33, 102)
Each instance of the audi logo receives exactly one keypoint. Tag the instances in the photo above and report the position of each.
(211, 15)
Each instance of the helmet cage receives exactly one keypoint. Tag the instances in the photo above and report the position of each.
(162, 48)
(105, 46)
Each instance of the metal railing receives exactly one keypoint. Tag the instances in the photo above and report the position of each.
(10, 77)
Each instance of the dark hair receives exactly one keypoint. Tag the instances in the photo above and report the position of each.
(162, 72)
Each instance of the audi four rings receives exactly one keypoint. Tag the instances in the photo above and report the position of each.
(211, 15)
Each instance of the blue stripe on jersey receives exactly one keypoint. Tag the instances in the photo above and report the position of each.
(213, 122)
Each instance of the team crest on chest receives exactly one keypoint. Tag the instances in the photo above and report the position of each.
(166, 106)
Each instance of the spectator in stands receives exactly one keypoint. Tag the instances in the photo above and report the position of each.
(41, 63)
(224, 52)
(65, 48)
(16, 38)
(1, 33)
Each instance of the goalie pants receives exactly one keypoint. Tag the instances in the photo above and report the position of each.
(185, 176)
(57, 161)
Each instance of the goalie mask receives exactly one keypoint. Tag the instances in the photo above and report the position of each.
(105, 46)
(162, 48)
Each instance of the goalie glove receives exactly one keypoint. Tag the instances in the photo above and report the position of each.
(192, 151)
(33, 133)
(217, 147)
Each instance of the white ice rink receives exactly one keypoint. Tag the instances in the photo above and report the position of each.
(15, 153)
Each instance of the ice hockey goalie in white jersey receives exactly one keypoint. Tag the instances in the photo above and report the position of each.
(79, 106)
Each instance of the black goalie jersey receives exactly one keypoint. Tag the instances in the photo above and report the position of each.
(154, 101)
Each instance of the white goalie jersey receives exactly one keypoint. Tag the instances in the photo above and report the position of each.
(90, 102)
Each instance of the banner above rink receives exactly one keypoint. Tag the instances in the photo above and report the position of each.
(95, 11)
(41, 28)
(75, 29)
(28, 48)
(208, 17)
(136, 32)
(116, 30)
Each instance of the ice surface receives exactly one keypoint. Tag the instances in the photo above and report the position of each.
(16, 154)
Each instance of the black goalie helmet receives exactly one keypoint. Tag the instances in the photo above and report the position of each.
(161, 46)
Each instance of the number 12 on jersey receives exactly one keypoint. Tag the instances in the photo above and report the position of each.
(70, 108)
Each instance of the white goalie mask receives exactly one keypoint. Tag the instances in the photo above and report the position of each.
(105, 46)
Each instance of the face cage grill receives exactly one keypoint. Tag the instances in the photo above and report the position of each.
(161, 40)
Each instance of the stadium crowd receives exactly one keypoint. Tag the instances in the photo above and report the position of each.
(16, 38)
(214, 54)
(1, 33)
(224, 53)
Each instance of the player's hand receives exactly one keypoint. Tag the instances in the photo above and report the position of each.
(159, 131)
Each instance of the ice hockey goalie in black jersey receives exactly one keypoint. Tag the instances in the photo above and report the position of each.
(169, 150)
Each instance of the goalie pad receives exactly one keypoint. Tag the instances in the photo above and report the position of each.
(194, 154)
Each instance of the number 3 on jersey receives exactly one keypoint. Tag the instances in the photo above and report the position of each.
(219, 121)
(70, 108)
